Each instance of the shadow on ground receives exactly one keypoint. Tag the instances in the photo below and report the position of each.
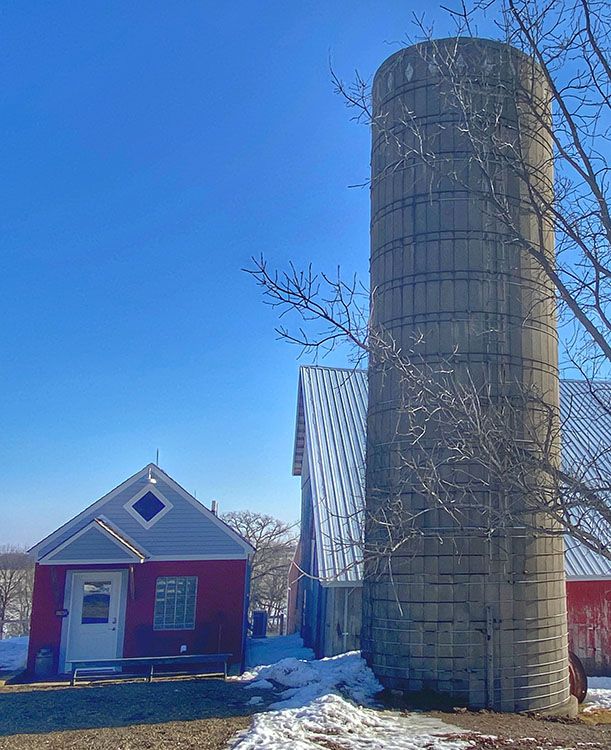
(34, 710)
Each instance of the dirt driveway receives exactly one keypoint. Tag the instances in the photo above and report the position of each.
(176, 714)
(516, 732)
(202, 713)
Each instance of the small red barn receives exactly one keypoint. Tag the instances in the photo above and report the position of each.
(147, 570)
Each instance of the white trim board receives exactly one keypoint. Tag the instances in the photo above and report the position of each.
(148, 489)
(206, 512)
(161, 558)
(155, 472)
(97, 504)
(48, 559)
(65, 627)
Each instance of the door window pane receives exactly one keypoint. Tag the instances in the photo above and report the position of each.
(96, 601)
(175, 603)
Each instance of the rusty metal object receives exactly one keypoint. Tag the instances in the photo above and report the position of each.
(577, 677)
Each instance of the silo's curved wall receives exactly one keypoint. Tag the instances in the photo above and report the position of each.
(479, 617)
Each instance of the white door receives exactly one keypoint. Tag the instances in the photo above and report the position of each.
(93, 616)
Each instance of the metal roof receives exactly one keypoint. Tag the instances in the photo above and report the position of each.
(331, 414)
(331, 424)
(585, 408)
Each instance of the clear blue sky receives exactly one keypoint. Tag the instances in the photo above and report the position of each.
(148, 150)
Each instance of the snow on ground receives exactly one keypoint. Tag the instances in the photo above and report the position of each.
(331, 721)
(599, 693)
(316, 706)
(304, 681)
(13, 654)
(270, 650)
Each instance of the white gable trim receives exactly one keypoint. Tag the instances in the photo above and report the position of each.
(97, 504)
(148, 470)
(125, 538)
(246, 546)
(167, 505)
(300, 430)
(102, 528)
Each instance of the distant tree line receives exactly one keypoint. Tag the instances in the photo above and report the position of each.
(16, 584)
(275, 542)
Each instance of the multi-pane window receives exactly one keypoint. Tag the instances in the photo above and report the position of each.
(175, 603)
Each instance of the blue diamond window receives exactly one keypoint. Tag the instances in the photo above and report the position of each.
(148, 506)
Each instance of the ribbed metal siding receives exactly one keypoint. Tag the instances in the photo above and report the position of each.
(335, 405)
(334, 409)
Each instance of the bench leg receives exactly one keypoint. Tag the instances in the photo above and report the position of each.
(73, 678)
(225, 671)
(150, 677)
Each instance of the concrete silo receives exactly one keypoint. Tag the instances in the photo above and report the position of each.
(479, 617)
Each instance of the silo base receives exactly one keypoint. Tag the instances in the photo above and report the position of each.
(428, 700)
(568, 710)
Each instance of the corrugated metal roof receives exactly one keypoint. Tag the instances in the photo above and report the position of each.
(331, 414)
(331, 423)
(586, 442)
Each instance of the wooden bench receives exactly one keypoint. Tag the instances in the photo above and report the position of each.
(87, 665)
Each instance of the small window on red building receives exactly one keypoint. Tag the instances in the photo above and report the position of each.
(175, 603)
(96, 602)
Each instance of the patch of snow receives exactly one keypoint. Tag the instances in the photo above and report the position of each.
(305, 681)
(315, 707)
(599, 694)
(269, 650)
(259, 685)
(13, 654)
(332, 721)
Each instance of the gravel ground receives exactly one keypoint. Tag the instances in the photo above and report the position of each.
(197, 713)
(516, 732)
(203, 734)
(176, 714)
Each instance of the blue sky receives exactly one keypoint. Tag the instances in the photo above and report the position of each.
(148, 150)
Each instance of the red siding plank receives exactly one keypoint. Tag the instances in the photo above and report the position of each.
(220, 612)
(589, 613)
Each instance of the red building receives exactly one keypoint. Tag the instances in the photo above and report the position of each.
(147, 570)
(588, 588)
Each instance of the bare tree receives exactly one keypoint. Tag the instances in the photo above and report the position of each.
(567, 46)
(274, 541)
(16, 582)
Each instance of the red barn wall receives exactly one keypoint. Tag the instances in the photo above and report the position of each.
(220, 615)
(589, 614)
(45, 625)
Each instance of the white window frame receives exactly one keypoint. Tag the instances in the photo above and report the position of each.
(168, 629)
(167, 506)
